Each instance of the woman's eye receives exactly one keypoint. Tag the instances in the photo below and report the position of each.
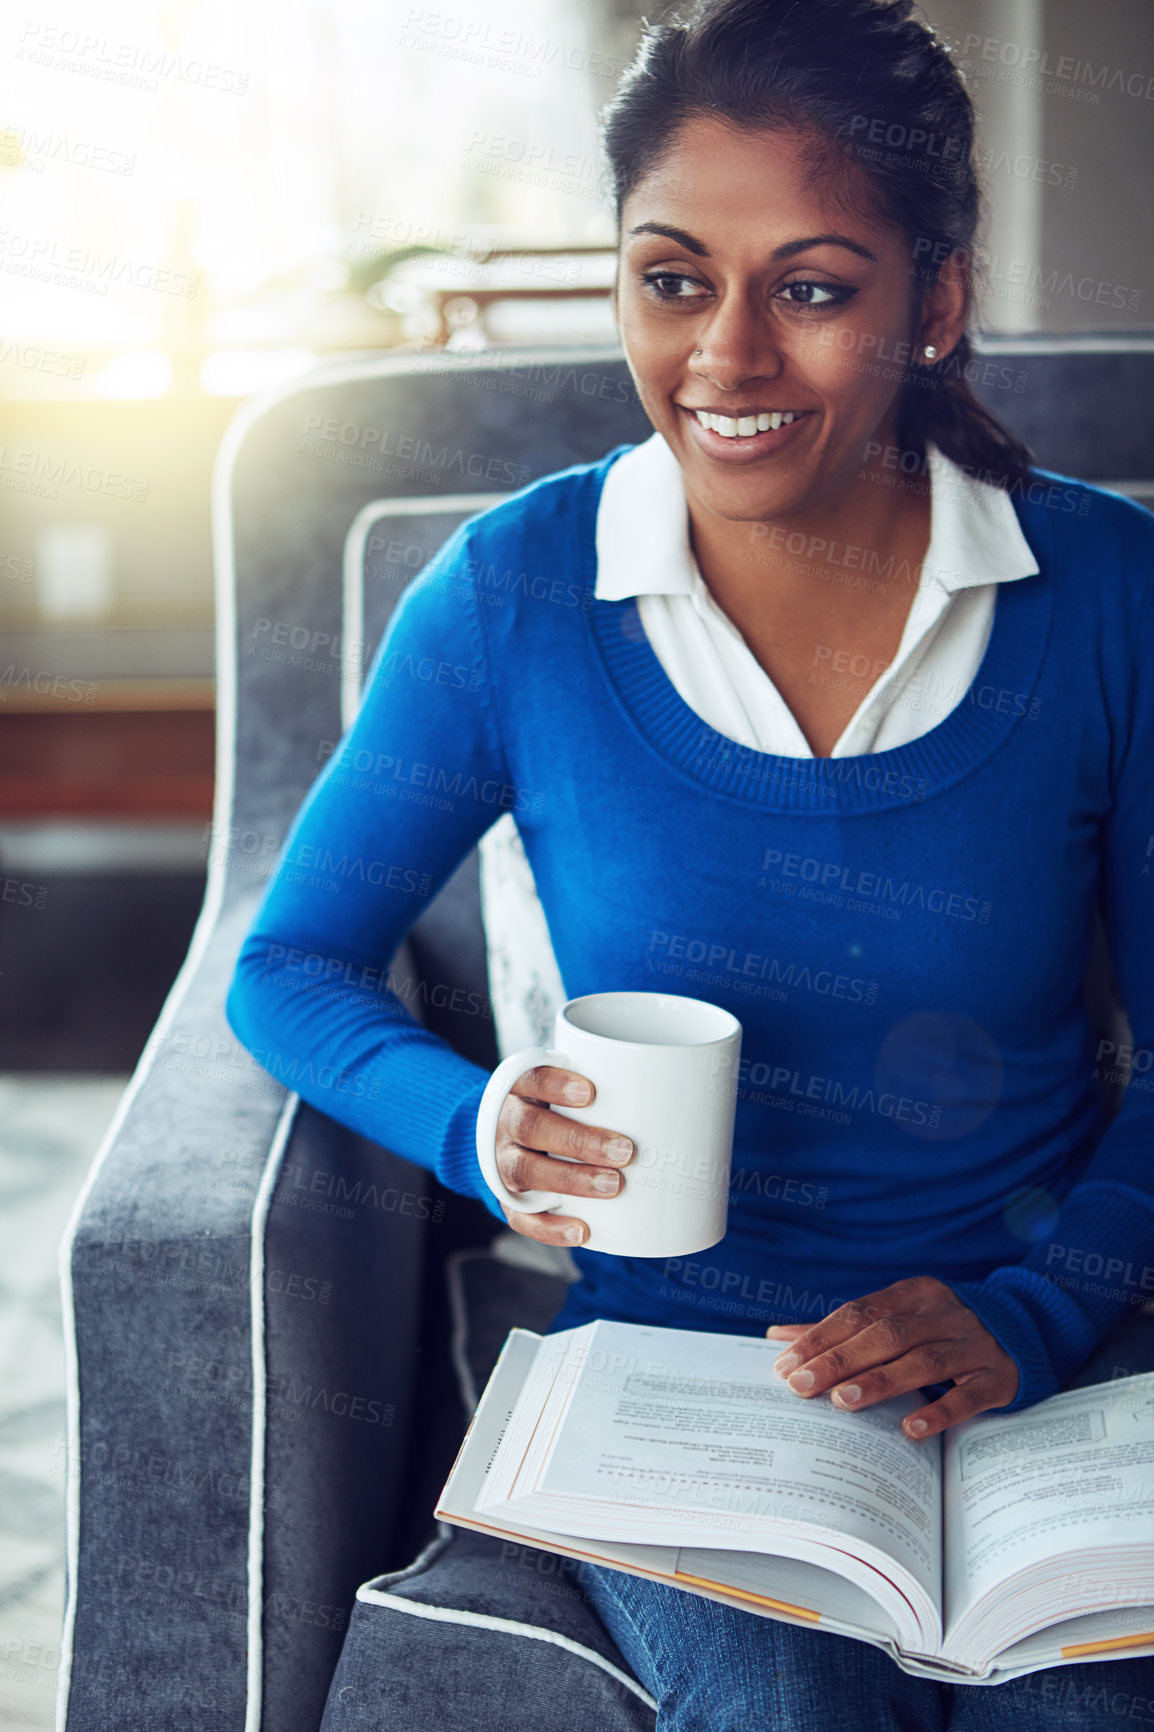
(654, 278)
(810, 294)
(673, 286)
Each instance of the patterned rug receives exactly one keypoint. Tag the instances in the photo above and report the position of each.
(50, 1128)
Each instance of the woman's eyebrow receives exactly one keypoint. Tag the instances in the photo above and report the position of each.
(787, 250)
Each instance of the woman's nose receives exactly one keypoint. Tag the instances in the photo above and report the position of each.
(737, 344)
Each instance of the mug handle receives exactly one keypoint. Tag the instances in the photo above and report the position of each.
(496, 1093)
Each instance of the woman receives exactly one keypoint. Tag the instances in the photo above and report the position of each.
(851, 709)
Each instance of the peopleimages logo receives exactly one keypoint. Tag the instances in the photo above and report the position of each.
(426, 784)
(832, 875)
(752, 964)
(356, 437)
(1095, 1265)
(773, 1085)
(715, 752)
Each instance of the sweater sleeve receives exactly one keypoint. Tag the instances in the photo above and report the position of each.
(404, 795)
(1050, 1311)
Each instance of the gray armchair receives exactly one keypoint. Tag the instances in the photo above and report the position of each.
(277, 1330)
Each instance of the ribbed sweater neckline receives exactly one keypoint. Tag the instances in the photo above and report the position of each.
(998, 700)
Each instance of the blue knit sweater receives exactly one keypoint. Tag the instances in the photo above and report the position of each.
(903, 935)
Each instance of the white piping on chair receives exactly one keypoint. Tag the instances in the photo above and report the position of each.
(260, 1208)
(1089, 343)
(376, 1596)
(197, 946)
(371, 1594)
(353, 577)
(507, 1626)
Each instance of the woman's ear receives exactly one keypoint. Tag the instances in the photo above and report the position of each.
(946, 305)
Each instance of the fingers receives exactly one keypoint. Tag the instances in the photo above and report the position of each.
(869, 1331)
(915, 1344)
(936, 1362)
(890, 1343)
(548, 1229)
(528, 1135)
(807, 1343)
(531, 1137)
(827, 1350)
(972, 1395)
(526, 1170)
(560, 1088)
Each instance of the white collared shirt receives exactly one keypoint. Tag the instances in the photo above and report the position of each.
(643, 550)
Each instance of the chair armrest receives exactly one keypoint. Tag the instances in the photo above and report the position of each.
(226, 1276)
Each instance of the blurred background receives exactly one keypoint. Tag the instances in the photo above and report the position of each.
(198, 203)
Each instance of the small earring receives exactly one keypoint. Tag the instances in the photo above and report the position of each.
(930, 352)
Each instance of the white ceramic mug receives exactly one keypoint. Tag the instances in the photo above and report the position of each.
(664, 1069)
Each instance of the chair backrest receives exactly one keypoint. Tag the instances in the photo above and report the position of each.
(344, 485)
(341, 487)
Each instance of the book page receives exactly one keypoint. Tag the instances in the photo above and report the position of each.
(1081, 1640)
(800, 1592)
(675, 1421)
(840, 1602)
(1072, 1474)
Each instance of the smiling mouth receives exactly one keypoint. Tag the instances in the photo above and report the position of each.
(745, 426)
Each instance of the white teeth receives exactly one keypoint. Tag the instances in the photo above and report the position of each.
(746, 425)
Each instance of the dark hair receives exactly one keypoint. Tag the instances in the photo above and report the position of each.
(883, 90)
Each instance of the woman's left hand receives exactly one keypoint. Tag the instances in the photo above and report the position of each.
(911, 1334)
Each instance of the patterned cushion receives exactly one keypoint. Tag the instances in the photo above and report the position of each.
(525, 987)
(476, 1623)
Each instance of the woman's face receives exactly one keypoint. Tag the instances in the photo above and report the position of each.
(799, 305)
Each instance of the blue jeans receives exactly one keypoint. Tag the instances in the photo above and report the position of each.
(715, 1668)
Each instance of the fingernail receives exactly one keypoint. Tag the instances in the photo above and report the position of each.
(785, 1363)
(578, 1093)
(618, 1149)
(916, 1427)
(607, 1182)
(779, 1329)
(802, 1381)
(574, 1234)
(848, 1395)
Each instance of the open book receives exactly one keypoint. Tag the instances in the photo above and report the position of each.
(1011, 1543)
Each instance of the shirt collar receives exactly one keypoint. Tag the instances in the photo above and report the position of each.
(643, 528)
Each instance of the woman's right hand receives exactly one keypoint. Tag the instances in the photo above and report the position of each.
(529, 1135)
